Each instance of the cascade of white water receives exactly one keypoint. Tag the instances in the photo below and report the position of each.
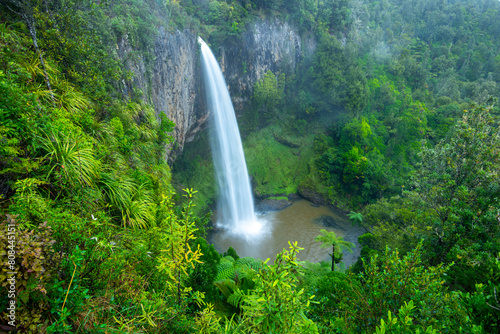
(235, 204)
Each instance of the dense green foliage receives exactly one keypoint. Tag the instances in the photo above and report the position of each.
(392, 117)
(357, 302)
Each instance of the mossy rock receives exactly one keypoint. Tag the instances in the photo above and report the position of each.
(328, 221)
(276, 168)
(287, 141)
(313, 195)
(273, 204)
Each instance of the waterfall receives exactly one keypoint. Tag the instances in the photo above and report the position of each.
(235, 211)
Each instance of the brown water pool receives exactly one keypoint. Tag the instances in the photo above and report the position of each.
(301, 222)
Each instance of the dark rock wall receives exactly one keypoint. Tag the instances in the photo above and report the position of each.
(266, 45)
(175, 84)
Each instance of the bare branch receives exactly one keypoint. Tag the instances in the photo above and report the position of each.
(496, 299)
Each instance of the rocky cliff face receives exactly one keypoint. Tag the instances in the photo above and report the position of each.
(170, 82)
(175, 83)
(266, 45)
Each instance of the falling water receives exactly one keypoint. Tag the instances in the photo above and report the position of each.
(235, 205)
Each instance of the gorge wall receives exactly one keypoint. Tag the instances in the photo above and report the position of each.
(171, 80)
(266, 46)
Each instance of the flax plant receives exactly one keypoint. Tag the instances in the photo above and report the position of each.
(135, 202)
(72, 158)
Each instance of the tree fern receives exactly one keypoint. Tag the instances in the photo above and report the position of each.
(338, 244)
(226, 286)
(236, 297)
(249, 262)
(223, 274)
(235, 277)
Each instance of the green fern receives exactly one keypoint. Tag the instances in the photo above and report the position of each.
(249, 262)
(242, 261)
(236, 297)
(228, 259)
(247, 276)
(235, 277)
(225, 268)
(224, 274)
(226, 286)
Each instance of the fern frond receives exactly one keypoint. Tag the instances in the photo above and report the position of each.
(226, 286)
(236, 297)
(223, 274)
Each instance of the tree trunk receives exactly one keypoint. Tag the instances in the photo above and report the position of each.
(26, 12)
(333, 258)
(32, 30)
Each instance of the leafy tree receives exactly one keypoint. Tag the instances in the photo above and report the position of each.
(355, 96)
(336, 78)
(202, 277)
(19, 112)
(27, 9)
(484, 305)
(338, 244)
(334, 14)
(327, 69)
(403, 323)
(390, 283)
(458, 183)
(276, 305)
(268, 94)
(77, 36)
(354, 166)
(179, 257)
